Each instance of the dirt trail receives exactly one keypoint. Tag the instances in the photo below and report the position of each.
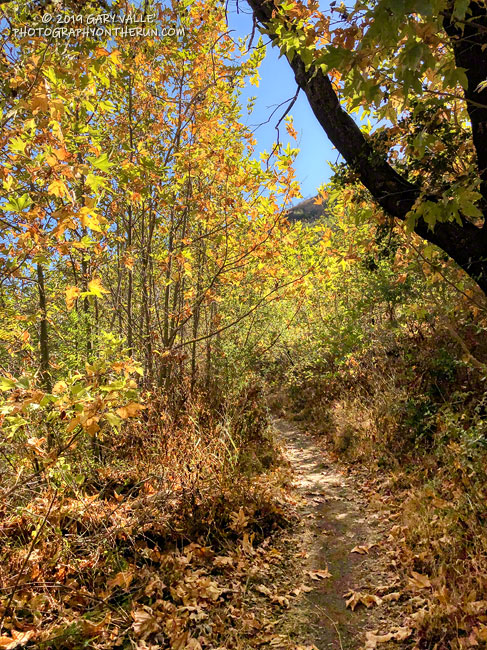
(334, 519)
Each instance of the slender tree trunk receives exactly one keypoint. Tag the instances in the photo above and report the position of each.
(130, 225)
(44, 343)
(43, 331)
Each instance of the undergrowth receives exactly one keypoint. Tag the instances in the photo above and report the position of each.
(151, 544)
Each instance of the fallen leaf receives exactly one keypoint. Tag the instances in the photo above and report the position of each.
(482, 633)
(319, 575)
(362, 550)
(122, 579)
(223, 560)
(477, 607)
(395, 595)
(17, 639)
(282, 600)
(239, 520)
(356, 598)
(372, 639)
(418, 581)
(144, 623)
(298, 590)
(396, 634)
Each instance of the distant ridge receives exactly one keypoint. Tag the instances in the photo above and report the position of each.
(307, 211)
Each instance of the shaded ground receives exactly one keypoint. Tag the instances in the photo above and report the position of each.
(334, 520)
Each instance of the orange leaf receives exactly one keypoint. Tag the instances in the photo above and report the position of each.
(72, 294)
(130, 410)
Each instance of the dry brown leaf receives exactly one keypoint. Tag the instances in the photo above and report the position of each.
(247, 543)
(353, 600)
(193, 644)
(482, 633)
(396, 634)
(144, 623)
(319, 575)
(363, 549)
(418, 581)
(372, 639)
(370, 599)
(476, 608)
(91, 628)
(17, 639)
(179, 642)
(122, 579)
(356, 598)
(36, 445)
(239, 520)
(264, 590)
(298, 590)
(223, 560)
(395, 595)
(402, 633)
(282, 600)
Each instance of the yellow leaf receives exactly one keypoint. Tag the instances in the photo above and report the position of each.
(96, 288)
(73, 423)
(71, 294)
(56, 109)
(58, 188)
(89, 219)
(59, 387)
(128, 261)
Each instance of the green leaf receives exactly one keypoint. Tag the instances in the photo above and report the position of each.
(102, 163)
(113, 419)
(6, 383)
(95, 182)
(17, 204)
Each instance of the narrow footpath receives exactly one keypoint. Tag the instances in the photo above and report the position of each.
(338, 537)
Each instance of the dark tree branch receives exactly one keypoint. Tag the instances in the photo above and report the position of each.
(469, 41)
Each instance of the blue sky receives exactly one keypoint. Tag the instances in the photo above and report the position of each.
(278, 85)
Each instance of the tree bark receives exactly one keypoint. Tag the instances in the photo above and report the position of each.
(43, 332)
